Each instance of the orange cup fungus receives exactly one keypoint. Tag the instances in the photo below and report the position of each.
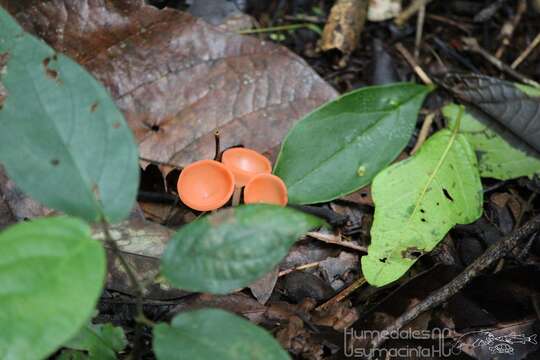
(266, 189)
(205, 185)
(245, 164)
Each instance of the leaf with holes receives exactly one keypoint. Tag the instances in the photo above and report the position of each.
(62, 139)
(52, 275)
(417, 201)
(233, 247)
(210, 334)
(341, 146)
(496, 157)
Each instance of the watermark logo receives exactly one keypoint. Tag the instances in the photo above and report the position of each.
(504, 344)
(353, 341)
(484, 344)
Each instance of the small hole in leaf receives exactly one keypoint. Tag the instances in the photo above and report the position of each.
(363, 194)
(55, 162)
(422, 211)
(154, 128)
(416, 254)
(423, 220)
(383, 260)
(438, 203)
(447, 194)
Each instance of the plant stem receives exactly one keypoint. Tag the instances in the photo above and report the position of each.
(140, 319)
(274, 28)
(218, 147)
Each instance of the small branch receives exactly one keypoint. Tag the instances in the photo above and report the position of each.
(527, 52)
(410, 59)
(489, 257)
(424, 132)
(471, 44)
(413, 8)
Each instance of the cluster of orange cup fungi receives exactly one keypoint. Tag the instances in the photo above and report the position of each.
(207, 185)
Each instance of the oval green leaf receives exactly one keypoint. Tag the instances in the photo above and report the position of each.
(417, 201)
(496, 157)
(51, 275)
(99, 341)
(62, 139)
(341, 146)
(233, 247)
(210, 334)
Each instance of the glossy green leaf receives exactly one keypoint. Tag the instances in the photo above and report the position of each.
(496, 157)
(341, 146)
(51, 275)
(100, 342)
(417, 201)
(62, 139)
(233, 247)
(211, 334)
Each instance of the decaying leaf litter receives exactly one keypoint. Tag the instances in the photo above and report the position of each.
(253, 90)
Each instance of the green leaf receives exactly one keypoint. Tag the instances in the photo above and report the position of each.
(210, 334)
(417, 201)
(62, 139)
(233, 247)
(496, 158)
(341, 146)
(102, 341)
(51, 275)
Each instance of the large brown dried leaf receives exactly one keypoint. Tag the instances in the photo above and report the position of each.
(177, 78)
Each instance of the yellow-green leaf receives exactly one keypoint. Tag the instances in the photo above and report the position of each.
(417, 201)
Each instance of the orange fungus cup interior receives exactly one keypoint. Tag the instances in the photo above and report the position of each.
(205, 185)
(245, 164)
(266, 189)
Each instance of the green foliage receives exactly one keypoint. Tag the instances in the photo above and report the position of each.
(63, 141)
(496, 157)
(52, 274)
(341, 146)
(214, 334)
(233, 247)
(417, 201)
(100, 342)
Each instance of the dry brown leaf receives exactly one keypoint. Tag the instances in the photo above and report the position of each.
(177, 78)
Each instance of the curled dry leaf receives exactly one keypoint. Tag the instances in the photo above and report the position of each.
(344, 26)
(177, 78)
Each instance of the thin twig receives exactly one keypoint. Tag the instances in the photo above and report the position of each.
(415, 6)
(419, 30)
(508, 28)
(410, 59)
(527, 52)
(157, 162)
(336, 240)
(471, 44)
(424, 132)
(490, 256)
(342, 294)
(300, 267)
